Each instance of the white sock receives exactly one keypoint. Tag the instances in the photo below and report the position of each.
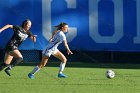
(35, 70)
(62, 66)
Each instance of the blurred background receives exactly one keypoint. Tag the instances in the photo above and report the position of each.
(105, 31)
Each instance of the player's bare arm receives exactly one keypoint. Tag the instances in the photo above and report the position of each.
(67, 47)
(6, 27)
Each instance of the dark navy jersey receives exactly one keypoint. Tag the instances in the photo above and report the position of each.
(18, 37)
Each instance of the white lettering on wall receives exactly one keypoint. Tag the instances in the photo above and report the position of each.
(137, 38)
(46, 19)
(93, 22)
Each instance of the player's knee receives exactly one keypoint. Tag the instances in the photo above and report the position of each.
(64, 60)
(20, 59)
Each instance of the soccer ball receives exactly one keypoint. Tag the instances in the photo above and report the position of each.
(110, 74)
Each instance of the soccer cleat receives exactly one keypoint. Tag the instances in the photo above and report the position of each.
(62, 76)
(31, 76)
(7, 71)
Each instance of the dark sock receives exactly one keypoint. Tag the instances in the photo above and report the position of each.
(14, 63)
(3, 65)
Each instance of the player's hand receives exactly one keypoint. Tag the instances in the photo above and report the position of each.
(69, 52)
(34, 38)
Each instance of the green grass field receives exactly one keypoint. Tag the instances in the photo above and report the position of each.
(83, 78)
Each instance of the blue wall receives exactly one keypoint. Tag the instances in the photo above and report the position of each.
(95, 25)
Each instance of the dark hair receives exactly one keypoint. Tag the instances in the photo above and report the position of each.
(25, 22)
(59, 27)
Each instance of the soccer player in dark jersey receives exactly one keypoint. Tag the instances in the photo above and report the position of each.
(20, 34)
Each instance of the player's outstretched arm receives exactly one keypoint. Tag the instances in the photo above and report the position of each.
(67, 47)
(6, 27)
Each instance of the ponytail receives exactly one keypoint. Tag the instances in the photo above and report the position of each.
(59, 27)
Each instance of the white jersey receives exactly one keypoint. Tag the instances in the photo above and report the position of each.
(59, 37)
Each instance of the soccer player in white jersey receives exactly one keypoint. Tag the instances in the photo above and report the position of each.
(57, 38)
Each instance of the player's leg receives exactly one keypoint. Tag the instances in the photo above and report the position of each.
(8, 58)
(63, 59)
(18, 58)
(38, 67)
(41, 64)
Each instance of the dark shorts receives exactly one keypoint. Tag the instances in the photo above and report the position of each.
(11, 48)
